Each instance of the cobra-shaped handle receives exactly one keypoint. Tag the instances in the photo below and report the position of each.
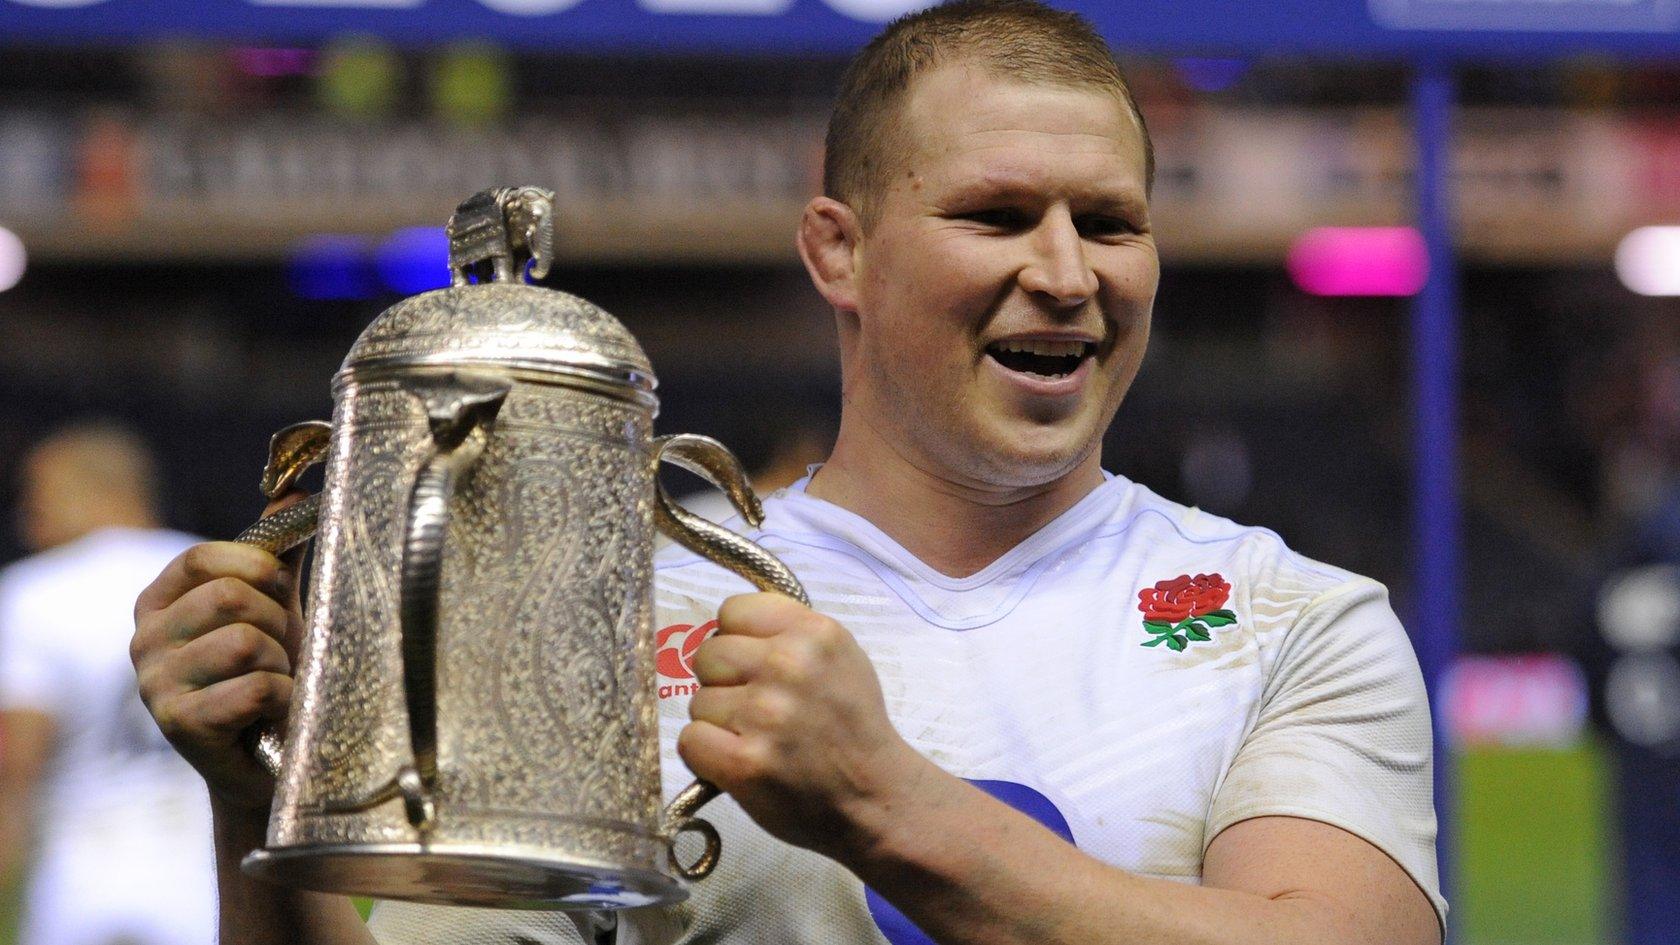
(290, 452)
(713, 462)
(461, 410)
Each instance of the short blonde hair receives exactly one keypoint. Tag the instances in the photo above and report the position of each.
(1017, 39)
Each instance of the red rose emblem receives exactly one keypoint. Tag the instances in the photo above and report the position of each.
(1184, 596)
(1184, 609)
(675, 646)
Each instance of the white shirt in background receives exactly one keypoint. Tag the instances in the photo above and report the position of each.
(125, 850)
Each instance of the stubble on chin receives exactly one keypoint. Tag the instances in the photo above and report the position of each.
(986, 454)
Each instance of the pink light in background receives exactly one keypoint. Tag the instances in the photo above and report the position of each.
(1517, 699)
(271, 62)
(1359, 260)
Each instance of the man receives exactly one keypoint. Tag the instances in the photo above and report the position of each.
(977, 734)
(121, 824)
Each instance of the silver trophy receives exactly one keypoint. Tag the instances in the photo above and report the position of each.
(475, 719)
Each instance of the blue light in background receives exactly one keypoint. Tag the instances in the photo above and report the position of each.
(331, 266)
(414, 260)
(1210, 75)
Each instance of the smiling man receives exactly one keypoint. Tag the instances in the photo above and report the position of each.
(1032, 702)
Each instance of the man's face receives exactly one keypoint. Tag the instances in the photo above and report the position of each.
(47, 506)
(1004, 290)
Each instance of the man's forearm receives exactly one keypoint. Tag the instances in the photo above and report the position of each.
(258, 913)
(15, 826)
(26, 739)
(970, 870)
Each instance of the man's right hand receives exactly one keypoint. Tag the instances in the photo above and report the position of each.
(215, 639)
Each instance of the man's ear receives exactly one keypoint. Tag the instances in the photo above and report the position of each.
(829, 234)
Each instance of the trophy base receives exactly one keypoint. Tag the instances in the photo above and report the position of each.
(463, 875)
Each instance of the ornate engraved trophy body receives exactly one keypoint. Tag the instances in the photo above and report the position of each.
(474, 720)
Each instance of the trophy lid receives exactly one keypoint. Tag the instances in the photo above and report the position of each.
(501, 321)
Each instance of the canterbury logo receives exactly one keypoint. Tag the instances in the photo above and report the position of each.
(675, 646)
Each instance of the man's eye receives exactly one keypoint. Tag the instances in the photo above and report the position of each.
(1001, 218)
(1097, 227)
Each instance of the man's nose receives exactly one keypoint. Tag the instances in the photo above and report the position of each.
(1059, 269)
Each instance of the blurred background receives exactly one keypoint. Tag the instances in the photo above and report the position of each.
(202, 205)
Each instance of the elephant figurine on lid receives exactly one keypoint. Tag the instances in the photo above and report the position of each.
(496, 227)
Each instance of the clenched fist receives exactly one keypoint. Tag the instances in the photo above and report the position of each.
(215, 638)
(790, 721)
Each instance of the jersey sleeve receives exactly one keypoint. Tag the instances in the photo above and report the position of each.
(1343, 735)
(32, 674)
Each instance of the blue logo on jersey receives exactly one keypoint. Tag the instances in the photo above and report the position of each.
(900, 930)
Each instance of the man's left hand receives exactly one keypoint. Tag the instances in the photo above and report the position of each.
(790, 721)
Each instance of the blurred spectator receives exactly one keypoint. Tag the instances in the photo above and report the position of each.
(1636, 662)
(119, 823)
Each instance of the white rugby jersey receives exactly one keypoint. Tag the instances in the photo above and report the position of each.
(1137, 676)
(125, 844)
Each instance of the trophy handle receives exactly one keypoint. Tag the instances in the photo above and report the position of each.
(290, 452)
(712, 461)
(461, 409)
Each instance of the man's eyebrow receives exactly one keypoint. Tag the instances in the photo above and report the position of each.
(1100, 198)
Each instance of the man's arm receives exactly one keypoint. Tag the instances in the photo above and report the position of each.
(968, 868)
(251, 911)
(215, 637)
(791, 722)
(26, 739)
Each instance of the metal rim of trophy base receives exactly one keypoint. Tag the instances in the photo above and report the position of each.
(464, 875)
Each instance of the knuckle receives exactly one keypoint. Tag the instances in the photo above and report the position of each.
(700, 703)
(137, 648)
(792, 663)
(164, 714)
(795, 617)
(756, 759)
(204, 664)
(276, 689)
(148, 626)
(728, 609)
(246, 645)
(685, 740)
(712, 663)
(255, 692)
(146, 681)
(142, 605)
(707, 648)
(823, 631)
(688, 745)
(704, 660)
(228, 595)
(774, 710)
(781, 663)
(198, 562)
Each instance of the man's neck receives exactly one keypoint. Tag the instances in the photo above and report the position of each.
(953, 527)
(98, 518)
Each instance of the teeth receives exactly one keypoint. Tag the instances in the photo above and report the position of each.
(1049, 349)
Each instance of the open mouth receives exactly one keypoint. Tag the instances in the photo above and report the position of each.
(1049, 359)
